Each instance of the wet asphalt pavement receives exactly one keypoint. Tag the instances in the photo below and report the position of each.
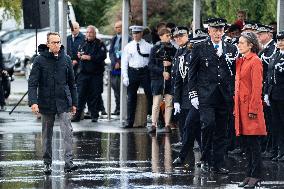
(108, 157)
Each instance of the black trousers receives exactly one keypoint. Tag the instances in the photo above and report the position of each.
(253, 155)
(277, 110)
(191, 132)
(213, 121)
(137, 77)
(90, 88)
(2, 97)
(115, 84)
(181, 118)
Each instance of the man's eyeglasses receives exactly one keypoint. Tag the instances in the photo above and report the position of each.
(55, 42)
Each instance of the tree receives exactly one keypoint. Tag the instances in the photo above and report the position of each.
(12, 9)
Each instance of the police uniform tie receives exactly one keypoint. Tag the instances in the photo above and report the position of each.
(216, 48)
(139, 52)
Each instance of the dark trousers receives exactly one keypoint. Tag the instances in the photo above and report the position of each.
(268, 143)
(90, 88)
(181, 122)
(115, 84)
(253, 155)
(277, 110)
(47, 133)
(2, 98)
(191, 132)
(137, 77)
(213, 132)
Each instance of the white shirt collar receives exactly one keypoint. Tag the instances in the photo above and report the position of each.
(282, 51)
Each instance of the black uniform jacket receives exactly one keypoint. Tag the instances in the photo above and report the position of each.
(181, 76)
(159, 53)
(97, 50)
(265, 55)
(51, 83)
(208, 72)
(274, 86)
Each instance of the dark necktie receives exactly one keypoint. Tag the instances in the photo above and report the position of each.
(139, 52)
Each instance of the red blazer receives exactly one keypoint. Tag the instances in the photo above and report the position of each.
(248, 90)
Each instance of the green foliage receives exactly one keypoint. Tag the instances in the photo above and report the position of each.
(103, 13)
(12, 9)
(91, 12)
(260, 11)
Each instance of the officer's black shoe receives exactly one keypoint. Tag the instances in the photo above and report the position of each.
(76, 117)
(95, 119)
(245, 182)
(151, 129)
(219, 170)
(204, 167)
(103, 112)
(69, 167)
(116, 112)
(127, 125)
(47, 169)
(2, 108)
(178, 161)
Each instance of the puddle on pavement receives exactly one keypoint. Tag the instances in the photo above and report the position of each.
(114, 160)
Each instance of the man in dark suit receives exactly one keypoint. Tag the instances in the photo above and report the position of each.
(73, 43)
(210, 90)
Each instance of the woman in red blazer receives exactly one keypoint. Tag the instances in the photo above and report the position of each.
(249, 117)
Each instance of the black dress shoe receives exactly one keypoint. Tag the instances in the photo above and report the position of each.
(69, 167)
(245, 182)
(116, 112)
(219, 170)
(178, 161)
(103, 112)
(151, 129)
(95, 119)
(47, 169)
(127, 125)
(252, 183)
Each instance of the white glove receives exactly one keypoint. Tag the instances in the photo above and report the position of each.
(177, 108)
(125, 81)
(195, 102)
(266, 100)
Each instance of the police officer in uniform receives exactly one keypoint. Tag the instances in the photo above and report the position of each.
(211, 73)
(92, 54)
(269, 48)
(191, 128)
(135, 71)
(181, 101)
(274, 96)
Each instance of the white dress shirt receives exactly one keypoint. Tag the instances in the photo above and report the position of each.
(219, 49)
(131, 57)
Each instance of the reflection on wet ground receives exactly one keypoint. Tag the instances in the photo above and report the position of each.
(109, 157)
